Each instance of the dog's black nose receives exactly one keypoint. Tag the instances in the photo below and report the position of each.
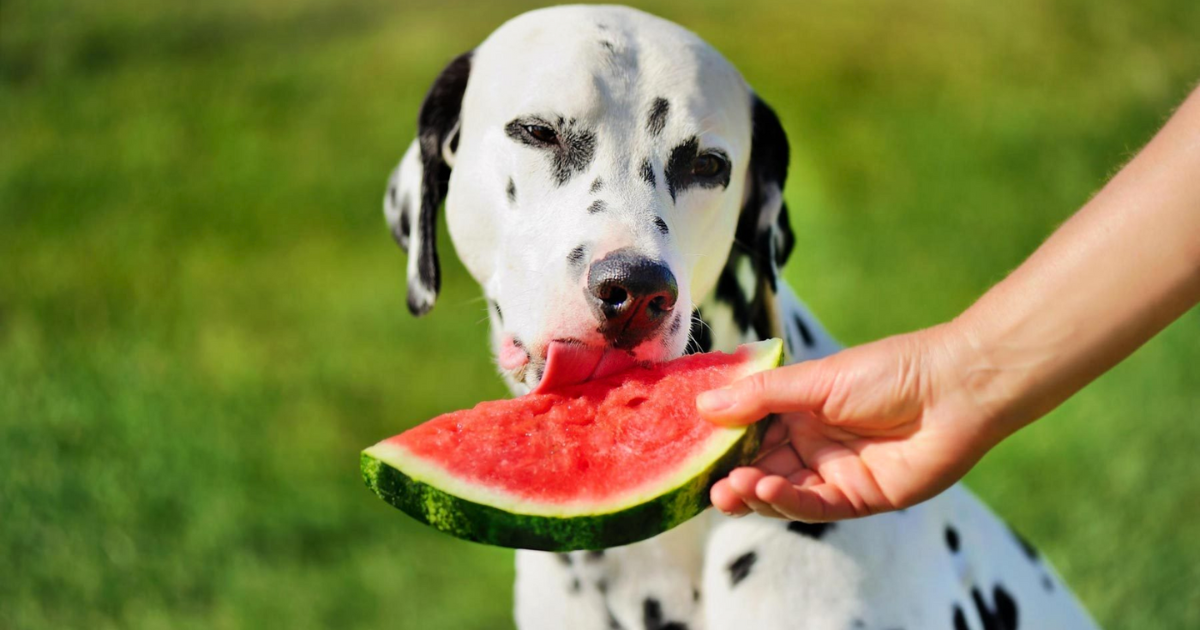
(631, 295)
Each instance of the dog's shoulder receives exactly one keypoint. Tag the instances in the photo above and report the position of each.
(804, 336)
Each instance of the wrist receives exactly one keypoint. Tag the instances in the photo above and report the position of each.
(975, 385)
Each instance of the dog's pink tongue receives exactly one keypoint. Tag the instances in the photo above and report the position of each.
(613, 362)
(569, 364)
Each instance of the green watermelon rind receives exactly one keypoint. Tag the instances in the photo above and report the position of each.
(471, 520)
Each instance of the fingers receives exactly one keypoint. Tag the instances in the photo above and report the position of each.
(799, 387)
(801, 496)
(743, 481)
(812, 502)
(724, 498)
(782, 460)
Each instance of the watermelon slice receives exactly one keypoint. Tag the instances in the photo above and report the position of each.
(591, 465)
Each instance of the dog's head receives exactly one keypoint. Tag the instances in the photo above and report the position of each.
(597, 165)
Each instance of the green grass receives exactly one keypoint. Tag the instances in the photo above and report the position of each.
(202, 318)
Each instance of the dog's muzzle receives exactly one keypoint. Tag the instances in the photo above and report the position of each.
(631, 296)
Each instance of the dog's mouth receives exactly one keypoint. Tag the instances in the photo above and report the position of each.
(570, 362)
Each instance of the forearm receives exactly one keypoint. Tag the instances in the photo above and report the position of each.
(1110, 278)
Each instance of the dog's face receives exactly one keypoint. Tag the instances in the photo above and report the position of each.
(595, 163)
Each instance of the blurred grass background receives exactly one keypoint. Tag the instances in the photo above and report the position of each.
(202, 316)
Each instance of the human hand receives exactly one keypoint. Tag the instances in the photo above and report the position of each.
(870, 429)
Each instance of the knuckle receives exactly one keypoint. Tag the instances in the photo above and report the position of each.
(755, 386)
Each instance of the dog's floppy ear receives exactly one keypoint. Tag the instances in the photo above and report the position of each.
(419, 184)
(763, 226)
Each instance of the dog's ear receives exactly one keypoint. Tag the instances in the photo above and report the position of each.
(419, 183)
(763, 227)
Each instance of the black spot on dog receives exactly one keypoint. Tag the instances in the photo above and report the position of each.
(1047, 584)
(700, 335)
(651, 613)
(570, 152)
(647, 173)
(597, 185)
(952, 538)
(564, 559)
(749, 312)
(1006, 608)
(676, 324)
(602, 586)
(499, 313)
(740, 567)
(1003, 616)
(576, 255)
(657, 119)
(595, 555)
(679, 165)
(811, 530)
(805, 333)
(730, 292)
(576, 586)
(652, 617)
(985, 613)
(679, 171)
(511, 190)
(858, 623)
(609, 46)
(405, 223)
(662, 225)
(596, 207)
(960, 619)
(575, 157)
(695, 594)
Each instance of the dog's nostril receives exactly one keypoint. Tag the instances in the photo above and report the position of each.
(659, 304)
(614, 296)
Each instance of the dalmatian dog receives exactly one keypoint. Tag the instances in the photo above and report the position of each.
(616, 189)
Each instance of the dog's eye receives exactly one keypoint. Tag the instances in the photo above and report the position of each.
(708, 165)
(541, 133)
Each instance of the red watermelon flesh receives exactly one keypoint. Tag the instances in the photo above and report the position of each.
(579, 451)
(581, 442)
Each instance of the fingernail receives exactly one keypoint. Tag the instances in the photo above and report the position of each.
(715, 400)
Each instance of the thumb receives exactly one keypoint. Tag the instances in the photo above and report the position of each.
(799, 387)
